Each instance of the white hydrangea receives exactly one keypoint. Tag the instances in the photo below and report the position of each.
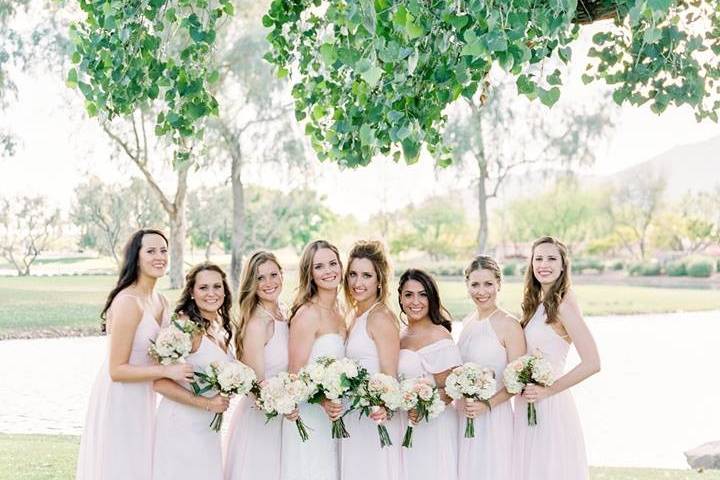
(171, 346)
(233, 377)
(470, 380)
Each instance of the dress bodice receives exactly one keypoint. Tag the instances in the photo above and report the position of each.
(207, 353)
(480, 344)
(327, 345)
(147, 330)
(430, 359)
(541, 336)
(276, 350)
(360, 347)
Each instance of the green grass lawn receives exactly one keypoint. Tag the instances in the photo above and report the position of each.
(45, 457)
(71, 304)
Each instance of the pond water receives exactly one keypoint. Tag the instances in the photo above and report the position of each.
(656, 396)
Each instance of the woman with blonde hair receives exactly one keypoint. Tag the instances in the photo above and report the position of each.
(491, 338)
(253, 447)
(553, 449)
(374, 342)
(317, 328)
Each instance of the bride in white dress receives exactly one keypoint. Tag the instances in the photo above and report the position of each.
(317, 329)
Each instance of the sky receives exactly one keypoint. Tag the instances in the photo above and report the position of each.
(59, 146)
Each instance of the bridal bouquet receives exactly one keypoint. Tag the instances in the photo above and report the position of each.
(173, 342)
(422, 395)
(228, 378)
(280, 395)
(378, 390)
(472, 382)
(528, 369)
(332, 379)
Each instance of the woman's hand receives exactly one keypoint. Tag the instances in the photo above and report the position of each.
(333, 408)
(217, 404)
(413, 416)
(378, 414)
(294, 415)
(180, 372)
(473, 408)
(533, 393)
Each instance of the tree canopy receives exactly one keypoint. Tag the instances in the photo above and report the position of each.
(374, 76)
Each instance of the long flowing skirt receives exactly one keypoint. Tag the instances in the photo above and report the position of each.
(433, 453)
(487, 456)
(554, 449)
(117, 442)
(362, 455)
(316, 459)
(185, 445)
(253, 446)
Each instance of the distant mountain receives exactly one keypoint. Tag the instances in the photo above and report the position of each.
(695, 167)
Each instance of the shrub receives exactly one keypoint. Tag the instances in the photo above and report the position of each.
(700, 268)
(645, 269)
(615, 265)
(579, 265)
(676, 269)
(509, 269)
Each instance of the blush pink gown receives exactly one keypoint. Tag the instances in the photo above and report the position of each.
(117, 443)
(362, 456)
(186, 448)
(488, 455)
(434, 452)
(253, 448)
(554, 449)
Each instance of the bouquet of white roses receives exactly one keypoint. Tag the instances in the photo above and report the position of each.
(173, 342)
(332, 379)
(279, 395)
(472, 382)
(422, 395)
(378, 390)
(528, 369)
(227, 378)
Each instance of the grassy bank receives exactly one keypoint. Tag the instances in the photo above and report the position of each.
(46, 457)
(69, 305)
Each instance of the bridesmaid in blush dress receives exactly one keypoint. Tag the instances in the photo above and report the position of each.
(554, 449)
(117, 443)
(317, 329)
(253, 446)
(490, 338)
(374, 342)
(186, 448)
(427, 349)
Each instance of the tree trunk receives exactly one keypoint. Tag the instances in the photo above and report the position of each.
(238, 227)
(482, 215)
(178, 229)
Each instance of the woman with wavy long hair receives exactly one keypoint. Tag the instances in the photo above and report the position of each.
(428, 350)
(261, 341)
(374, 342)
(117, 442)
(317, 328)
(553, 449)
(185, 445)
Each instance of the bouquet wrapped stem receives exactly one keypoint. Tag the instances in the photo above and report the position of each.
(280, 395)
(227, 378)
(420, 394)
(528, 370)
(378, 391)
(471, 382)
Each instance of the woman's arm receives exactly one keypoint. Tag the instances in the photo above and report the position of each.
(303, 329)
(253, 342)
(571, 318)
(169, 389)
(126, 316)
(384, 332)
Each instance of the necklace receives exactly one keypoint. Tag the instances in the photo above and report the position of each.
(274, 316)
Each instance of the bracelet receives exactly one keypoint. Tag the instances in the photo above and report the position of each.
(487, 403)
(207, 405)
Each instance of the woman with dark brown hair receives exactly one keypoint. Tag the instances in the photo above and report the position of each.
(117, 442)
(553, 449)
(427, 350)
(185, 445)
